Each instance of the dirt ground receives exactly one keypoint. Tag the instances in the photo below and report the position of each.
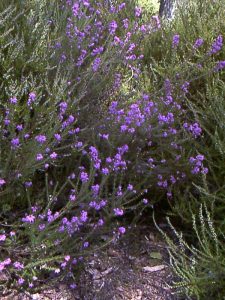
(136, 268)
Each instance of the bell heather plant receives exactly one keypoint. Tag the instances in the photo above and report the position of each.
(92, 128)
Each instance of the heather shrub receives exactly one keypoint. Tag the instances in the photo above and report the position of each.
(43, 83)
(198, 266)
(97, 121)
(188, 53)
(194, 63)
(54, 182)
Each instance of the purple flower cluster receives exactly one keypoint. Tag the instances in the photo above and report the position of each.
(198, 43)
(217, 45)
(195, 129)
(176, 41)
(197, 164)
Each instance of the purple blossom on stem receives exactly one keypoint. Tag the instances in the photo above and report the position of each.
(17, 265)
(138, 12)
(29, 219)
(41, 138)
(84, 177)
(39, 157)
(53, 155)
(21, 281)
(13, 100)
(217, 45)
(96, 64)
(198, 43)
(112, 27)
(2, 182)
(28, 184)
(118, 212)
(31, 98)
(176, 40)
(2, 237)
(121, 230)
(220, 65)
(15, 142)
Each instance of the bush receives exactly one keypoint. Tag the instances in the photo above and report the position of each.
(199, 269)
(92, 130)
(55, 188)
(194, 60)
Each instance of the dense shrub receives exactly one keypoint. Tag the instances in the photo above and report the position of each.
(99, 114)
(195, 60)
(199, 267)
(56, 189)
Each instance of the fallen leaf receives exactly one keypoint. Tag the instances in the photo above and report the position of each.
(154, 269)
(106, 272)
(156, 255)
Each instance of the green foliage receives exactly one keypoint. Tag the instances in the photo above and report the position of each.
(200, 270)
(197, 255)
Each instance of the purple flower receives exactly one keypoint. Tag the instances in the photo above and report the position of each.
(85, 245)
(125, 23)
(41, 138)
(18, 265)
(2, 237)
(96, 64)
(41, 227)
(105, 171)
(57, 137)
(26, 136)
(83, 216)
(157, 21)
(195, 129)
(67, 257)
(185, 87)
(145, 201)
(118, 211)
(53, 155)
(2, 182)
(15, 142)
(130, 187)
(28, 184)
(57, 271)
(7, 261)
(19, 127)
(78, 144)
(112, 27)
(63, 107)
(198, 43)
(84, 177)
(6, 122)
(97, 51)
(31, 98)
(121, 6)
(72, 197)
(217, 45)
(20, 281)
(13, 100)
(95, 189)
(100, 222)
(39, 157)
(138, 11)
(121, 230)
(176, 40)
(29, 219)
(220, 65)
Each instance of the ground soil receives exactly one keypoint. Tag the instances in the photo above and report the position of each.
(135, 268)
